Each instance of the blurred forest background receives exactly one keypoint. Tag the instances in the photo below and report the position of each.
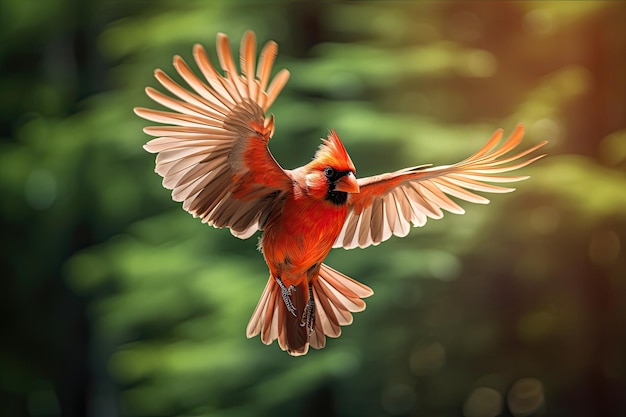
(115, 302)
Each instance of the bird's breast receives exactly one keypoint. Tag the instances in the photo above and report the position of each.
(301, 235)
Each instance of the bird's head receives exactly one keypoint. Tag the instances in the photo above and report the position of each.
(331, 173)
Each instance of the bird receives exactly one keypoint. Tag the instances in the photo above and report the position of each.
(212, 151)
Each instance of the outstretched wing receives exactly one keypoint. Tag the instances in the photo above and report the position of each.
(213, 151)
(388, 204)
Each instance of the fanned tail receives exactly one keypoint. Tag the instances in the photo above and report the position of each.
(273, 321)
(336, 297)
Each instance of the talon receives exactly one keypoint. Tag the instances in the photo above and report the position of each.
(308, 316)
(286, 293)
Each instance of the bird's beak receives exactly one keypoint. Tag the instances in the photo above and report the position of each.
(347, 184)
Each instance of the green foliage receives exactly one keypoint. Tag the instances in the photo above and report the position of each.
(112, 282)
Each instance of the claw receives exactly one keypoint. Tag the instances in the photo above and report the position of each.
(308, 316)
(286, 293)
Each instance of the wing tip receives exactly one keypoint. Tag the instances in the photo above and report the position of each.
(249, 35)
(141, 111)
(147, 148)
(197, 47)
(177, 60)
(221, 36)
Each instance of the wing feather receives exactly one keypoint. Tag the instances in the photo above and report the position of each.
(212, 147)
(205, 97)
(389, 204)
(247, 53)
(223, 92)
(225, 57)
(266, 61)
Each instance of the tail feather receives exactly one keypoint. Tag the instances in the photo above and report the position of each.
(255, 324)
(270, 321)
(336, 297)
(325, 317)
(317, 338)
(297, 336)
(267, 318)
(347, 286)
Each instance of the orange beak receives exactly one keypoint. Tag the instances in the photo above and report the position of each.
(347, 184)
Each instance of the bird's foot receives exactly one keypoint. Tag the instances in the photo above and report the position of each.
(308, 317)
(286, 293)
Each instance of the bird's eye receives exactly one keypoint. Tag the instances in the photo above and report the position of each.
(329, 172)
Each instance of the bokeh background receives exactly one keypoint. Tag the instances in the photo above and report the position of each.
(115, 302)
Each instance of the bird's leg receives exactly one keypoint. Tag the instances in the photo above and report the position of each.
(286, 293)
(308, 316)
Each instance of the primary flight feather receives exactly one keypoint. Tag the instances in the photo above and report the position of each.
(212, 153)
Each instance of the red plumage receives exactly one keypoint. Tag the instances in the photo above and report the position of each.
(213, 155)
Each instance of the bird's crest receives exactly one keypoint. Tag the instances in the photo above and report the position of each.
(332, 152)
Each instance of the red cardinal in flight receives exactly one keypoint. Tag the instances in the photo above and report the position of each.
(213, 155)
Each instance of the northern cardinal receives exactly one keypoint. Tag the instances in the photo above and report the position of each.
(213, 155)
